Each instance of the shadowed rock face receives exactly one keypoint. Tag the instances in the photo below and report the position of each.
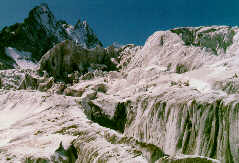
(67, 57)
(40, 32)
(96, 114)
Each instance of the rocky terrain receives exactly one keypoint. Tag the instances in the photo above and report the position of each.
(173, 100)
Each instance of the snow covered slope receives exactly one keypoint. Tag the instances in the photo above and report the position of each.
(22, 59)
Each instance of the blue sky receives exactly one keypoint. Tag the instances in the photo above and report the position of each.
(128, 21)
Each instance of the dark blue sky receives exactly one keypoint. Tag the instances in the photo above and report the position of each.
(129, 21)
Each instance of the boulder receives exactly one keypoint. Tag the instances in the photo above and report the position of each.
(29, 82)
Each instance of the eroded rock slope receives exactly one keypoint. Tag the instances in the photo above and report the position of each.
(173, 100)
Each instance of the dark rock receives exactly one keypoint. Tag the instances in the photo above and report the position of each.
(67, 57)
(213, 38)
(181, 68)
(36, 83)
(29, 82)
(63, 155)
(96, 114)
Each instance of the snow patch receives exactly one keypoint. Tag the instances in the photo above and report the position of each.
(21, 58)
(78, 35)
(200, 85)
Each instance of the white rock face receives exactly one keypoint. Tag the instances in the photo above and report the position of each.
(173, 100)
(33, 125)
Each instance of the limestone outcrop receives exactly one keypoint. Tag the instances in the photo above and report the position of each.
(173, 100)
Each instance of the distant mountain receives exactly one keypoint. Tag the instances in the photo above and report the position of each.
(39, 33)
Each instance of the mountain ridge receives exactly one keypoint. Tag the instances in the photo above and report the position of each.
(39, 32)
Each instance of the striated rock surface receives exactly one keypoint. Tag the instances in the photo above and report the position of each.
(173, 100)
(67, 57)
(48, 128)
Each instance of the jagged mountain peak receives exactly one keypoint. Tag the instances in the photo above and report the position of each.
(78, 23)
(39, 32)
(83, 25)
(43, 16)
(87, 33)
(41, 12)
(43, 7)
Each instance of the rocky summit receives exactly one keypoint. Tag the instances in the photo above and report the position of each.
(67, 99)
(38, 33)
